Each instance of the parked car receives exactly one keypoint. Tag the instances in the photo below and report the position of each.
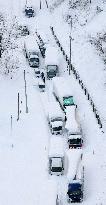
(29, 11)
(23, 30)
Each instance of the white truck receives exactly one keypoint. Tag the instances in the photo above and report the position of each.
(51, 62)
(56, 118)
(32, 53)
(63, 92)
(75, 175)
(73, 128)
(56, 156)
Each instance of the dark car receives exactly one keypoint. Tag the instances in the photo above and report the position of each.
(29, 11)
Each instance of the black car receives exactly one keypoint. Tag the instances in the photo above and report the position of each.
(29, 11)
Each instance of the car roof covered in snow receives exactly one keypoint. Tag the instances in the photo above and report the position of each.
(72, 124)
(51, 55)
(74, 160)
(56, 147)
(55, 110)
(62, 86)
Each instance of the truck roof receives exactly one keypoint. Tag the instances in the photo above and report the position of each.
(31, 43)
(74, 136)
(62, 86)
(72, 124)
(54, 110)
(56, 147)
(51, 55)
(73, 161)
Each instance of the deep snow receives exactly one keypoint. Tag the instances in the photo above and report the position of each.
(24, 145)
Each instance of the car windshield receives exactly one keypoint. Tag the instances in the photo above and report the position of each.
(41, 86)
(34, 59)
(56, 119)
(57, 128)
(75, 141)
(68, 101)
(52, 67)
(56, 169)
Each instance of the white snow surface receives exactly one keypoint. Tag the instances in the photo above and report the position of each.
(24, 144)
(56, 146)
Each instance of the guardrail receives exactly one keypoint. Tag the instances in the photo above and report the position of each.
(41, 44)
(77, 76)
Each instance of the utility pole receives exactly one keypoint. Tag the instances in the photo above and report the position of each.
(40, 4)
(26, 98)
(70, 64)
(11, 124)
(18, 108)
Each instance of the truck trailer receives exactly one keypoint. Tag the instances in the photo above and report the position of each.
(32, 51)
(56, 156)
(75, 176)
(63, 92)
(73, 128)
(56, 118)
(51, 62)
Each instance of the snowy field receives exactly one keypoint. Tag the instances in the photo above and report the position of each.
(24, 143)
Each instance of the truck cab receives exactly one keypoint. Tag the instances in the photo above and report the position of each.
(75, 141)
(75, 192)
(56, 125)
(63, 92)
(75, 175)
(68, 101)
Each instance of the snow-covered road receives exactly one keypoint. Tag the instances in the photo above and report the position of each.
(24, 148)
